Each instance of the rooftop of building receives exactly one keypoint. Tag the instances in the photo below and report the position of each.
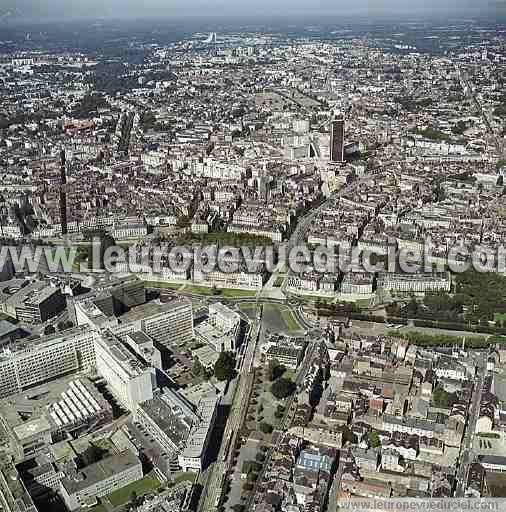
(25, 346)
(169, 420)
(207, 355)
(140, 338)
(211, 334)
(151, 309)
(7, 329)
(14, 491)
(130, 364)
(34, 294)
(95, 473)
(200, 431)
(224, 311)
(30, 412)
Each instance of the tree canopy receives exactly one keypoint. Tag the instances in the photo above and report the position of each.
(49, 329)
(282, 388)
(348, 436)
(224, 369)
(442, 398)
(275, 370)
(266, 428)
(373, 439)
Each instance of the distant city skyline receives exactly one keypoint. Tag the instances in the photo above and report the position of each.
(58, 9)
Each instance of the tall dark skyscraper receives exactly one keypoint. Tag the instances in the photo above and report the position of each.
(337, 140)
(63, 193)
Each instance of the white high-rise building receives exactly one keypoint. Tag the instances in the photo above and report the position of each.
(223, 318)
(172, 325)
(47, 359)
(167, 324)
(192, 457)
(128, 378)
(227, 321)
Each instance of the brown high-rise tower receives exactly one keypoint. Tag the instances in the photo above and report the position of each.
(63, 193)
(337, 140)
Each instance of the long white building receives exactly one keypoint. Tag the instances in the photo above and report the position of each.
(168, 324)
(100, 479)
(128, 378)
(192, 457)
(49, 358)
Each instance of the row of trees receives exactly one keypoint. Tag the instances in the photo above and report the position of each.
(441, 340)
(325, 309)
(436, 135)
(483, 294)
(412, 105)
(281, 387)
(224, 368)
(480, 298)
(275, 370)
(224, 239)
(435, 306)
(89, 106)
(62, 326)
(22, 118)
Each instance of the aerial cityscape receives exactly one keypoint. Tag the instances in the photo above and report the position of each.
(252, 262)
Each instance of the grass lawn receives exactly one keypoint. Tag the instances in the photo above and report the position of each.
(230, 292)
(488, 435)
(99, 508)
(81, 255)
(162, 285)
(290, 321)
(224, 239)
(8, 318)
(247, 305)
(223, 292)
(363, 303)
(286, 317)
(315, 298)
(496, 483)
(500, 317)
(249, 309)
(198, 290)
(279, 281)
(149, 483)
(184, 477)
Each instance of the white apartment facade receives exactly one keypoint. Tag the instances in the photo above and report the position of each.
(57, 355)
(192, 457)
(129, 379)
(100, 479)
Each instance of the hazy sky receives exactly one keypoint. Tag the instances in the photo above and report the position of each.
(132, 8)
